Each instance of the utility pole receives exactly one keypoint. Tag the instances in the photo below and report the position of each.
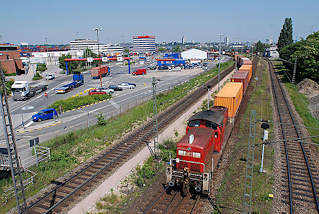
(294, 73)
(155, 121)
(8, 131)
(220, 37)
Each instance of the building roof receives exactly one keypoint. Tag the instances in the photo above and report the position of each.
(194, 50)
(11, 61)
(143, 37)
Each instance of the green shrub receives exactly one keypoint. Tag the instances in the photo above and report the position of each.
(79, 101)
(100, 119)
(37, 76)
(41, 67)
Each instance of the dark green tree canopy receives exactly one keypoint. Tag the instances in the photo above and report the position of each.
(307, 53)
(285, 37)
(260, 47)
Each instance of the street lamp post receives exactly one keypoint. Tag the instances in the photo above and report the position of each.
(98, 42)
(219, 56)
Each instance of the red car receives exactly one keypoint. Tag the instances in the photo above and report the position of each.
(141, 71)
(97, 91)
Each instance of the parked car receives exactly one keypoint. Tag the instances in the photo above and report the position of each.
(152, 67)
(97, 91)
(115, 88)
(130, 83)
(188, 66)
(49, 77)
(126, 85)
(140, 71)
(107, 90)
(177, 69)
(45, 114)
(163, 67)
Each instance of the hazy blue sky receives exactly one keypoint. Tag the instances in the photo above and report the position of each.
(61, 21)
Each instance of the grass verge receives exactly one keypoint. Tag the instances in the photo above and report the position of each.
(301, 103)
(78, 101)
(74, 148)
(230, 193)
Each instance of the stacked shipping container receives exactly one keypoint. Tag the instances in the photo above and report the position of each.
(242, 77)
(230, 97)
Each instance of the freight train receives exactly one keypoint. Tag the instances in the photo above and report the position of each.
(207, 131)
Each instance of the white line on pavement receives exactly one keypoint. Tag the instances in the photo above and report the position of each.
(28, 124)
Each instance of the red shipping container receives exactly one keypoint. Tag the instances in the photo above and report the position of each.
(243, 77)
(102, 70)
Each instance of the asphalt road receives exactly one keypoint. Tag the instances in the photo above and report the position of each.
(81, 118)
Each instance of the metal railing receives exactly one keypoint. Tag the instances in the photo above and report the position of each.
(9, 192)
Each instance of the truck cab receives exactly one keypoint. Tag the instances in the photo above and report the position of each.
(20, 90)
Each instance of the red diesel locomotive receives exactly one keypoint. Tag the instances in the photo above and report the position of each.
(193, 167)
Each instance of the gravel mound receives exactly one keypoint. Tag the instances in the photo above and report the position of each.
(308, 87)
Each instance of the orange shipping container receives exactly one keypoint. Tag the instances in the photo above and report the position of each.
(248, 68)
(230, 96)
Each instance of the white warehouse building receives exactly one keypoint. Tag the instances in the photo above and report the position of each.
(194, 54)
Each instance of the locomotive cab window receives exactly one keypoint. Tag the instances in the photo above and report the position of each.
(211, 125)
(181, 152)
(194, 123)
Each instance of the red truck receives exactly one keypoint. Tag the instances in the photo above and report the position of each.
(100, 71)
(140, 71)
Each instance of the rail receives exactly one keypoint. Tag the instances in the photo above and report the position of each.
(297, 131)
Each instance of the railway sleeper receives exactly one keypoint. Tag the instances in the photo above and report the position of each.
(309, 189)
(302, 175)
(298, 164)
(298, 179)
(35, 210)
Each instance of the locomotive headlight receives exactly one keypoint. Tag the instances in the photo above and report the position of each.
(196, 154)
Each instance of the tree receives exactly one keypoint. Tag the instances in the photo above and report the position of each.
(307, 54)
(285, 37)
(260, 47)
(72, 65)
(176, 49)
(161, 49)
(89, 53)
(41, 67)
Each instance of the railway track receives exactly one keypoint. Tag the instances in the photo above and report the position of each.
(300, 178)
(172, 204)
(58, 198)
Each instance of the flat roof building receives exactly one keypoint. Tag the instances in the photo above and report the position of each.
(194, 54)
(83, 44)
(144, 44)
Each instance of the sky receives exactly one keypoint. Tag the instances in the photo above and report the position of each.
(61, 21)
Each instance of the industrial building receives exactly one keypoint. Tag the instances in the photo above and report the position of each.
(194, 54)
(144, 44)
(106, 49)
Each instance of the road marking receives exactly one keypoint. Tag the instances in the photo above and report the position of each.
(27, 125)
(117, 106)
